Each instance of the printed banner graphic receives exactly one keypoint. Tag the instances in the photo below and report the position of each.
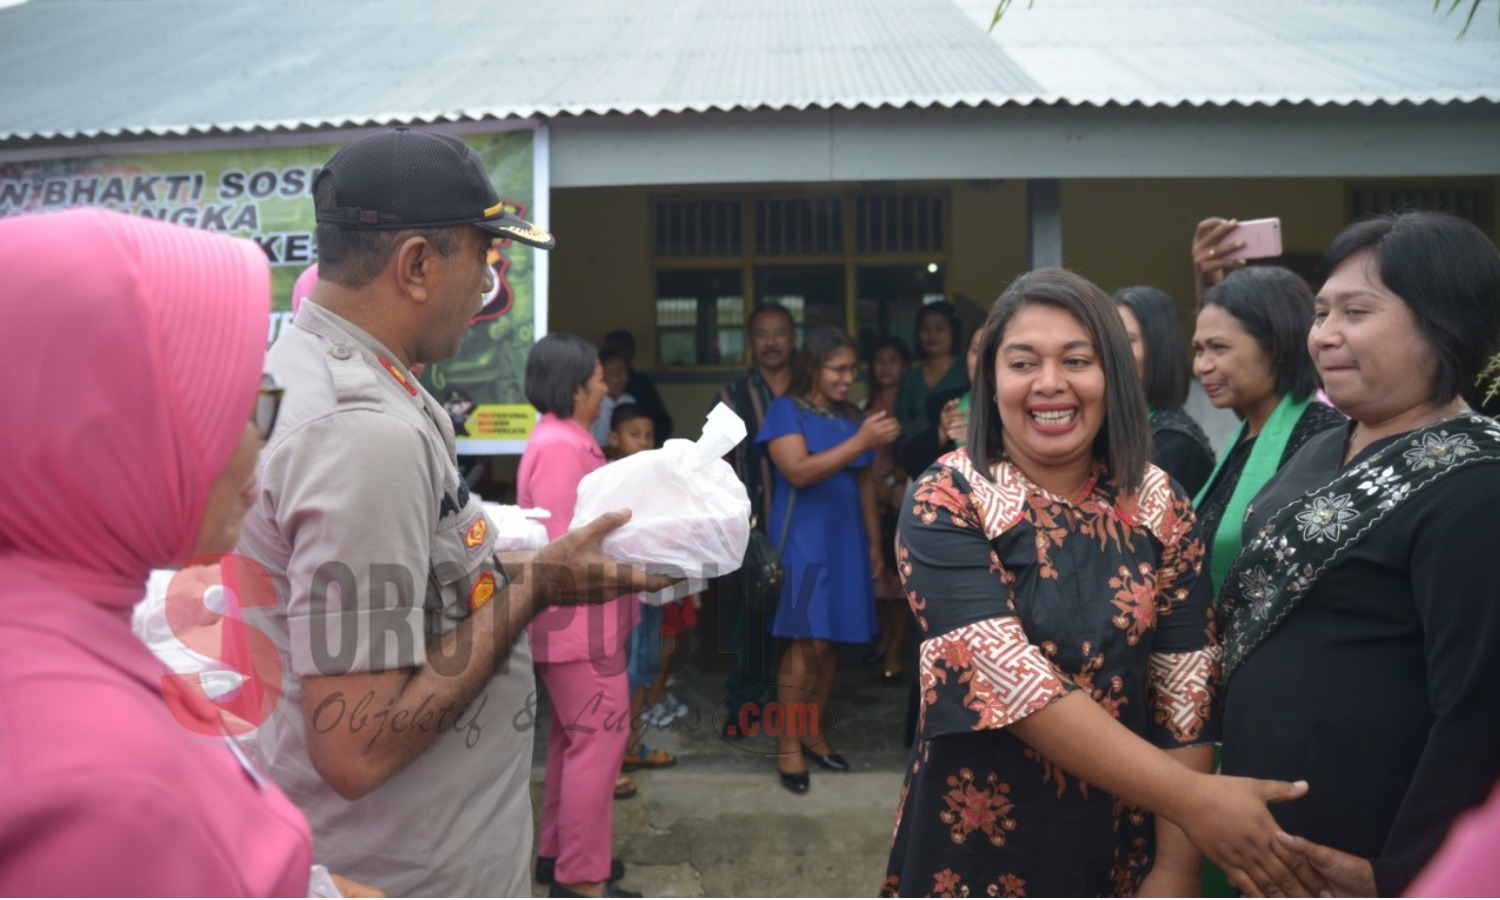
(265, 194)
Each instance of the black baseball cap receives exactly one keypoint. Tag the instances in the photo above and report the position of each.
(417, 179)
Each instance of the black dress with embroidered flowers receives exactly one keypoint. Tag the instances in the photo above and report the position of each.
(1021, 597)
(1377, 686)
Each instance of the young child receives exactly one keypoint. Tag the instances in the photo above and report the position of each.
(616, 374)
(631, 431)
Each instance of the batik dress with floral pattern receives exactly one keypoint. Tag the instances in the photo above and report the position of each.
(1022, 597)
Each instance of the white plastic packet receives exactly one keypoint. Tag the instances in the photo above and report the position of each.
(690, 514)
(517, 528)
(320, 883)
(149, 622)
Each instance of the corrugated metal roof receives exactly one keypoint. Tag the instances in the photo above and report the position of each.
(1220, 52)
(89, 68)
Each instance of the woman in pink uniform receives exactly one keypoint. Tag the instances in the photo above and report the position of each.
(130, 445)
(579, 653)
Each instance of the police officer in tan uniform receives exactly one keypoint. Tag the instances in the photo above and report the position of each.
(404, 730)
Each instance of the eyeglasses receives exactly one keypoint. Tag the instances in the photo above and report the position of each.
(843, 370)
(267, 405)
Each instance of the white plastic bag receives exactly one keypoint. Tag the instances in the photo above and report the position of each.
(321, 885)
(149, 622)
(517, 528)
(690, 514)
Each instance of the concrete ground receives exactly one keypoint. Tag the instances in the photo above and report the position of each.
(719, 823)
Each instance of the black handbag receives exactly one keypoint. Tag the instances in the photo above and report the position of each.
(764, 573)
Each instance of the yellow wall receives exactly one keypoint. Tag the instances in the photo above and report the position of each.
(987, 246)
(1129, 232)
(601, 271)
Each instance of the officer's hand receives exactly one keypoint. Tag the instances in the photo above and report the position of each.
(350, 888)
(574, 570)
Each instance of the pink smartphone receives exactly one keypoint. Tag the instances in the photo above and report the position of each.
(1262, 239)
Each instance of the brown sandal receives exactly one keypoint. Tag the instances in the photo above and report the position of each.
(646, 758)
(624, 788)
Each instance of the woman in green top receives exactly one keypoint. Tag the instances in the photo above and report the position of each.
(939, 368)
(1250, 353)
(953, 423)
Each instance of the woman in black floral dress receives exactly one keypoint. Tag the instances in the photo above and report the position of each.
(1066, 635)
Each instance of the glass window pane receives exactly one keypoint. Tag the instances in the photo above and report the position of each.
(888, 300)
(700, 317)
(813, 294)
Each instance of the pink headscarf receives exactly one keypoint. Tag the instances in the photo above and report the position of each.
(135, 349)
(303, 288)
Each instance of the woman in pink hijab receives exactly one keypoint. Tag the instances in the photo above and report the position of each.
(133, 414)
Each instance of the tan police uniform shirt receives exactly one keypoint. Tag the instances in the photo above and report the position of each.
(377, 548)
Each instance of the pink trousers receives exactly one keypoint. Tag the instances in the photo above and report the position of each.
(585, 746)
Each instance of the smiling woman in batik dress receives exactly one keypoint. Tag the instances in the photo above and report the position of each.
(1069, 663)
(1362, 620)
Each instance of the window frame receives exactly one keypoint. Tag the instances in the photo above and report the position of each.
(751, 257)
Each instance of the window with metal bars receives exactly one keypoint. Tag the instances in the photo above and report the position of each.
(699, 227)
(849, 259)
(898, 223)
(799, 226)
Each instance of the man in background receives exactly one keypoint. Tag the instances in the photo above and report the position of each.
(773, 341)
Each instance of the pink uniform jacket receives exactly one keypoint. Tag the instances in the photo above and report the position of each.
(558, 454)
(116, 783)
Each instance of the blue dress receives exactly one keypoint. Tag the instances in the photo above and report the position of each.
(828, 593)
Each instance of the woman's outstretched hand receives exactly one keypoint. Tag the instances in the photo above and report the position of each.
(1227, 820)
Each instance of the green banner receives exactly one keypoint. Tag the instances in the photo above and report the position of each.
(265, 194)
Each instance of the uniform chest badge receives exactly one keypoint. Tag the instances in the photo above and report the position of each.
(396, 374)
(476, 533)
(482, 592)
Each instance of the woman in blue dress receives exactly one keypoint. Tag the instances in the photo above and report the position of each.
(822, 513)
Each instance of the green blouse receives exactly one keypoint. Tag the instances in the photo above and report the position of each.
(912, 392)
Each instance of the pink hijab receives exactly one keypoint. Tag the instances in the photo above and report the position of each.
(303, 288)
(135, 349)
